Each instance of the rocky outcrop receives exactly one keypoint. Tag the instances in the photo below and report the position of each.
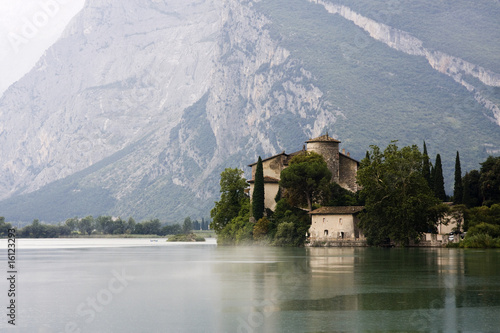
(403, 41)
(140, 96)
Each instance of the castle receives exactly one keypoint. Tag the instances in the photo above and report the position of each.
(343, 167)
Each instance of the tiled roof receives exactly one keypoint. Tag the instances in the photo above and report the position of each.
(271, 157)
(349, 157)
(267, 179)
(337, 210)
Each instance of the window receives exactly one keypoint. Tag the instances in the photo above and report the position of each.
(340, 221)
(326, 232)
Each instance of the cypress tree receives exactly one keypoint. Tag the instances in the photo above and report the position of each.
(258, 192)
(458, 191)
(426, 166)
(439, 180)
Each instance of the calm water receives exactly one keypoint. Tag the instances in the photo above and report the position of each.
(134, 285)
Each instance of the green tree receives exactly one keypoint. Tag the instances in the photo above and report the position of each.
(285, 234)
(258, 192)
(187, 226)
(399, 203)
(239, 230)
(86, 225)
(298, 218)
(339, 196)
(4, 227)
(104, 224)
(174, 229)
(72, 223)
(130, 225)
(305, 179)
(458, 191)
(490, 180)
(426, 166)
(151, 227)
(472, 189)
(439, 180)
(232, 189)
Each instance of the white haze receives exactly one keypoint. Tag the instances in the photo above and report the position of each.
(20, 45)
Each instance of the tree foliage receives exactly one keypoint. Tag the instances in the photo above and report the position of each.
(305, 179)
(239, 230)
(4, 227)
(458, 190)
(260, 229)
(472, 189)
(335, 195)
(399, 203)
(187, 226)
(426, 166)
(490, 180)
(258, 192)
(232, 189)
(438, 181)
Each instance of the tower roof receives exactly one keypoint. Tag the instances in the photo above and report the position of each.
(323, 138)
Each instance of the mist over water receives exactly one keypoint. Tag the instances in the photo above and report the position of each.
(136, 285)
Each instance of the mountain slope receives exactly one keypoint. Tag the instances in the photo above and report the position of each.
(141, 104)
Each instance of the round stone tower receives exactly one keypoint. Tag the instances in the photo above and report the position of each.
(329, 148)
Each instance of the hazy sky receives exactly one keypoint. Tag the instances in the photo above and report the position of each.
(27, 29)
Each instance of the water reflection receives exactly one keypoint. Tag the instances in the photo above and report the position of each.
(205, 288)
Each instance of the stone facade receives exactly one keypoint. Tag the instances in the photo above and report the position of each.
(335, 224)
(341, 165)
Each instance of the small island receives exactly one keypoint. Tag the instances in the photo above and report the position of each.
(186, 238)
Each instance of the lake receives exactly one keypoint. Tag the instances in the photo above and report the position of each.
(139, 285)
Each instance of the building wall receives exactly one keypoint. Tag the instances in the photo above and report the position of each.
(270, 191)
(348, 168)
(446, 229)
(271, 167)
(330, 152)
(333, 227)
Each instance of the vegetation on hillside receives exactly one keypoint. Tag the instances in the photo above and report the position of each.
(381, 91)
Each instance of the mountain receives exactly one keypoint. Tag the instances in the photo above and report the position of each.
(140, 105)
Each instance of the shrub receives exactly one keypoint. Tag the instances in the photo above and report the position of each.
(480, 241)
(484, 228)
(260, 229)
(285, 234)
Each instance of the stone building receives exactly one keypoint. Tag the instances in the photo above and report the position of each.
(341, 165)
(334, 224)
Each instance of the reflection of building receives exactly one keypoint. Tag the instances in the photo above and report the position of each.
(335, 224)
(341, 165)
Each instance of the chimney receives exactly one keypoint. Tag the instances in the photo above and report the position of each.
(349, 154)
(343, 151)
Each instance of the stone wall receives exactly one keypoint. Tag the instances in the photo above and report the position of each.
(348, 169)
(330, 152)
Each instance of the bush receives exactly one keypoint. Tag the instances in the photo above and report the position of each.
(484, 228)
(186, 238)
(285, 234)
(260, 229)
(480, 241)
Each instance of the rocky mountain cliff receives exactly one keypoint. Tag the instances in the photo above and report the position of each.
(140, 105)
